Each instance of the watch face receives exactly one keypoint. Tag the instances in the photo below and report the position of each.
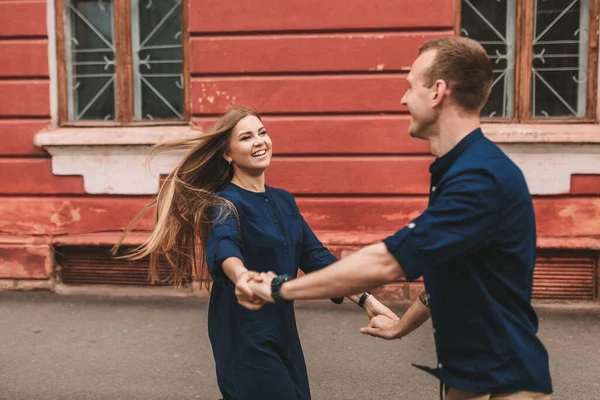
(276, 286)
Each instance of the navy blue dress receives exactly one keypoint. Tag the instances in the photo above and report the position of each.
(258, 353)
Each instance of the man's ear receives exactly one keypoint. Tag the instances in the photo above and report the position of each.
(440, 90)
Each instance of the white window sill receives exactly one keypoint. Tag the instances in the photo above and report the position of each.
(549, 154)
(112, 136)
(149, 135)
(542, 133)
(114, 160)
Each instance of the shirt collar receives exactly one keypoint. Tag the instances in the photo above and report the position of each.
(242, 190)
(443, 163)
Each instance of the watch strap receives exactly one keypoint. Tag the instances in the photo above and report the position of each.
(276, 288)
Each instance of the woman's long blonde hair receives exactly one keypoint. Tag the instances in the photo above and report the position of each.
(186, 200)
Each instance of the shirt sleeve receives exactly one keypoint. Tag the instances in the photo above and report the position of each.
(314, 256)
(224, 241)
(463, 219)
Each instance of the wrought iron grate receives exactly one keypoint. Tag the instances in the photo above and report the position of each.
(95, 265)
(565, 275)
(558, 275)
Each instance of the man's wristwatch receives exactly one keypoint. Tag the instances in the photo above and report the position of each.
(276, 288)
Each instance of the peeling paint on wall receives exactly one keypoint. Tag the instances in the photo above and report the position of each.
(66, 214)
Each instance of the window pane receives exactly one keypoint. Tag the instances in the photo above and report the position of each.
(90, 60)
(492, 23)
(157, 59)
(560, 58)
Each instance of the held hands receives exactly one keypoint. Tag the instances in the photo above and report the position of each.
(262, 288)
(384, 327)
(243, 292)
(384, 323)
(373, 307)
(253, 289)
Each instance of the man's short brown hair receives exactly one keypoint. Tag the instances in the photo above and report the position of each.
(465, 66)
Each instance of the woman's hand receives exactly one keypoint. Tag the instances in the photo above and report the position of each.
(262, 288)
(251, 286)
(244, 294)
(373, 307)
(384, 327)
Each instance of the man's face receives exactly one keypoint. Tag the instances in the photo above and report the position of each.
(419, 99)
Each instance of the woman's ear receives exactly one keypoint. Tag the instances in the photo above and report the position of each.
(227, 158)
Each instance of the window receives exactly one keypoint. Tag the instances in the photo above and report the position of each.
(121, 62)
(544, 54)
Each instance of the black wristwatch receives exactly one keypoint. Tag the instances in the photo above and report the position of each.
(276, 287)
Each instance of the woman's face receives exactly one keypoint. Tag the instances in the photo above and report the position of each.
(250, 147)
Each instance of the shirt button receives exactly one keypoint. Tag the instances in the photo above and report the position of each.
(440, 366)
(266, 200)
(433, 188)
(434, 331)
(411, 225)
(284, 244)
(275, 221)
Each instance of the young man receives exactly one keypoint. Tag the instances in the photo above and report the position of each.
(474, 245)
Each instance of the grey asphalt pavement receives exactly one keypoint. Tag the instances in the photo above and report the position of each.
(99, 347)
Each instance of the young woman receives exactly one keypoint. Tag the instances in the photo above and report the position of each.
(215, 213)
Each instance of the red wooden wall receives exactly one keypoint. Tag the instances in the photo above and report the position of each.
(24, 86)
(327, 77)
(24, 110)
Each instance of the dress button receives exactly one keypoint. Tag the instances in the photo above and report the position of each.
(433, 188)
(266, 200)
(284, 244)
(411, 225)
(440, 366)
(434, 331)
(275, 221)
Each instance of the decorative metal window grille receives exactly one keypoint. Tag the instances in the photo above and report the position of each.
(556, 49)
(157, 59)
(155, 52)
(492, 23)
(560, 58)
(90, 61)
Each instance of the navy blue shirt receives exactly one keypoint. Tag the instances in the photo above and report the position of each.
(475, 247)
(254, 349)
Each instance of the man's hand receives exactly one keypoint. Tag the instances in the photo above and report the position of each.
(243, 291)
(384, 327)
(251, 289)
(373, 307)
(262, 289)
